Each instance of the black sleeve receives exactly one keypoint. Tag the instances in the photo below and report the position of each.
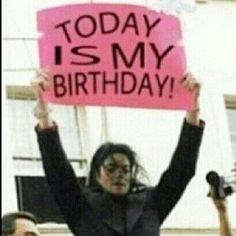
(181, 169)
(60, 175)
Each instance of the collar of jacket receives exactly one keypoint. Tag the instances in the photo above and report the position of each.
(105, 205)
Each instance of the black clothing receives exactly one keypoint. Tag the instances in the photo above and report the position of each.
(90, 213)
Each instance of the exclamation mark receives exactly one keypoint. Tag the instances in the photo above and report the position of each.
(57, 55)
(171, 87)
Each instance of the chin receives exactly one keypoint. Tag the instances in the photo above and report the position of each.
(120, 191)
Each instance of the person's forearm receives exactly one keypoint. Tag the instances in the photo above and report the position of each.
(192, 117)
(45, 122)
(43, 115)
(225, 227)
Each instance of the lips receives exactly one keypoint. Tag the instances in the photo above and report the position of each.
(119, 184)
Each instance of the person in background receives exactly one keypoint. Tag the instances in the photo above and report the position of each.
(222, 209)
(115, 203)
(221, 206)
(19, 224)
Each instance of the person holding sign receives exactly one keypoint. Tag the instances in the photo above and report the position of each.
(115, 203)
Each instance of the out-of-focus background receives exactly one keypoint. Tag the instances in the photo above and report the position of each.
(209, 31)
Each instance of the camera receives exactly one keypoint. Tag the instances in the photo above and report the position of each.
(222, 186)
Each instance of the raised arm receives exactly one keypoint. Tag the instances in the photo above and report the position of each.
(192, 85)
(182, 166)
(221, 206)
(222, 209)
(41, 111)
(59, 173)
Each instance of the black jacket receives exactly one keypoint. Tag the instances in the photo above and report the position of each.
(89, 213)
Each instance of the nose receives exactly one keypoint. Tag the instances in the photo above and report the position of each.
(118, 173)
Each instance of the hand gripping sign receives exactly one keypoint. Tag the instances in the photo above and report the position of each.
(113, 55)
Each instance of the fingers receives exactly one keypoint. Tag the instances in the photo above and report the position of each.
(212, 192)
(41, 82)
(221, 204)
(43, 73)
(190, 83)
(42, 79)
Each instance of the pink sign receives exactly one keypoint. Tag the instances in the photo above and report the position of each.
(113, 55)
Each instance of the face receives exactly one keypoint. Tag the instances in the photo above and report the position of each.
(25, 227)
(115, 174)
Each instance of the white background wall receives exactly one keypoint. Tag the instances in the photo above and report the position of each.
(210, 36)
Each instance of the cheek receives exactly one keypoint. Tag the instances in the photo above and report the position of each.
(104, 179)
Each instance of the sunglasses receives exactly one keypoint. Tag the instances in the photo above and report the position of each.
(112, 168)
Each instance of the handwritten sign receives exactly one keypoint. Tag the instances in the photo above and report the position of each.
(113, 55)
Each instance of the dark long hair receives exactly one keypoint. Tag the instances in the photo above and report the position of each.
(106, 150)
